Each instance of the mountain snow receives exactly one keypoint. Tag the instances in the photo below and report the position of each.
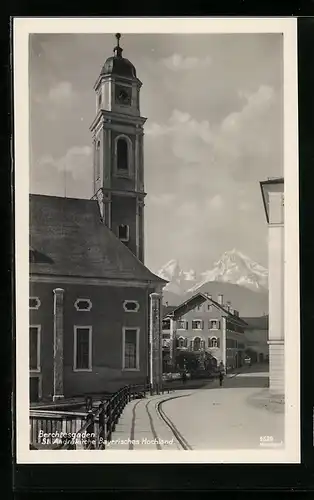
(232, 267)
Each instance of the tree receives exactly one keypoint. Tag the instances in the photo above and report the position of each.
(196, 361)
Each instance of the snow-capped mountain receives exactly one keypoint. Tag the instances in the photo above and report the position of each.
(241, 281)
(232, 267)
(179, 280)
(235, 267)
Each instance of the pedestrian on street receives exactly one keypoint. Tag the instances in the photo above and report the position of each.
(221, 373)
(184, 376)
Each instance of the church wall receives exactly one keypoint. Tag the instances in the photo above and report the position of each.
(107, 318)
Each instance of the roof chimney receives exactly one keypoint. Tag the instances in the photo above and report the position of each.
(220, 299)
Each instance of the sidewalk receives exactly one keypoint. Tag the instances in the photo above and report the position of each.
(141, 427)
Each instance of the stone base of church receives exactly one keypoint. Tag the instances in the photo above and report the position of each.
(58, 397)
(276, 367)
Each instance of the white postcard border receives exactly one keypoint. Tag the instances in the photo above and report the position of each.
(288, 26)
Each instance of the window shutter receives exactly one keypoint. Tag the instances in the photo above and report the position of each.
(202, 325)
(218, 342)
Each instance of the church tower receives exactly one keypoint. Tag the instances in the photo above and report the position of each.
(118, 151)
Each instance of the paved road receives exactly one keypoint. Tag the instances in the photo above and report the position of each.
(216, 418)
(254, 376)
(225, 418)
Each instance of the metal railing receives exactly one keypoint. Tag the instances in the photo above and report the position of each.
(77, 430)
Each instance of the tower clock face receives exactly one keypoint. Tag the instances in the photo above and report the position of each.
(123, 95)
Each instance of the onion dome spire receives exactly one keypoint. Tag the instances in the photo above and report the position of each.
(118, 50)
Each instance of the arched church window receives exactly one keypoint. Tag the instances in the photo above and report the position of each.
(122, 155)
(99, 100)
(97, 161)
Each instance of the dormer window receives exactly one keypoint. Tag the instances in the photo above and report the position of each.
(123, 232)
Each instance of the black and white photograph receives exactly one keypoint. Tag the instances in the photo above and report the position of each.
(157, 288)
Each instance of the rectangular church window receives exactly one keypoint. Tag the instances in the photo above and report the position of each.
(82, 348)
(123, 232)
(34, 348)
(131, 348)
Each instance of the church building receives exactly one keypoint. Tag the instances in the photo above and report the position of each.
(94, 306)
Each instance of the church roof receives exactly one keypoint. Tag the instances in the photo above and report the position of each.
(118, 66)
(68, 238)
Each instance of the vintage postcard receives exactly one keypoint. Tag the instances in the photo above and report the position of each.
(157, 259)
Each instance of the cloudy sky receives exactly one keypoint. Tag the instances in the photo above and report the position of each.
(214, 106)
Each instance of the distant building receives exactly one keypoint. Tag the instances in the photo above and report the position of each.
(256, 334)
(203, 324)
(92, 301)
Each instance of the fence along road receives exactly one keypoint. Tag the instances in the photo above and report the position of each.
(128, 420)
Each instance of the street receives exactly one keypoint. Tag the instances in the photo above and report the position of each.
(238, 415)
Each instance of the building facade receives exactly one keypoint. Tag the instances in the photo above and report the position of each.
(95, 309)
(204, 324)
(256, 335)
(273, 198)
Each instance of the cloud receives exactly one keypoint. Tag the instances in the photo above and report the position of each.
(188, 209)
(163, 199)
(216, 166)
(56, 98)
(216, 202)
(61, 93)
(240, 143)
(187, 135)
(76, 161)
(178, 62)
(71, 173)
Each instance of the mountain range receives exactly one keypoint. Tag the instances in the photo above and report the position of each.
(242, 281)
